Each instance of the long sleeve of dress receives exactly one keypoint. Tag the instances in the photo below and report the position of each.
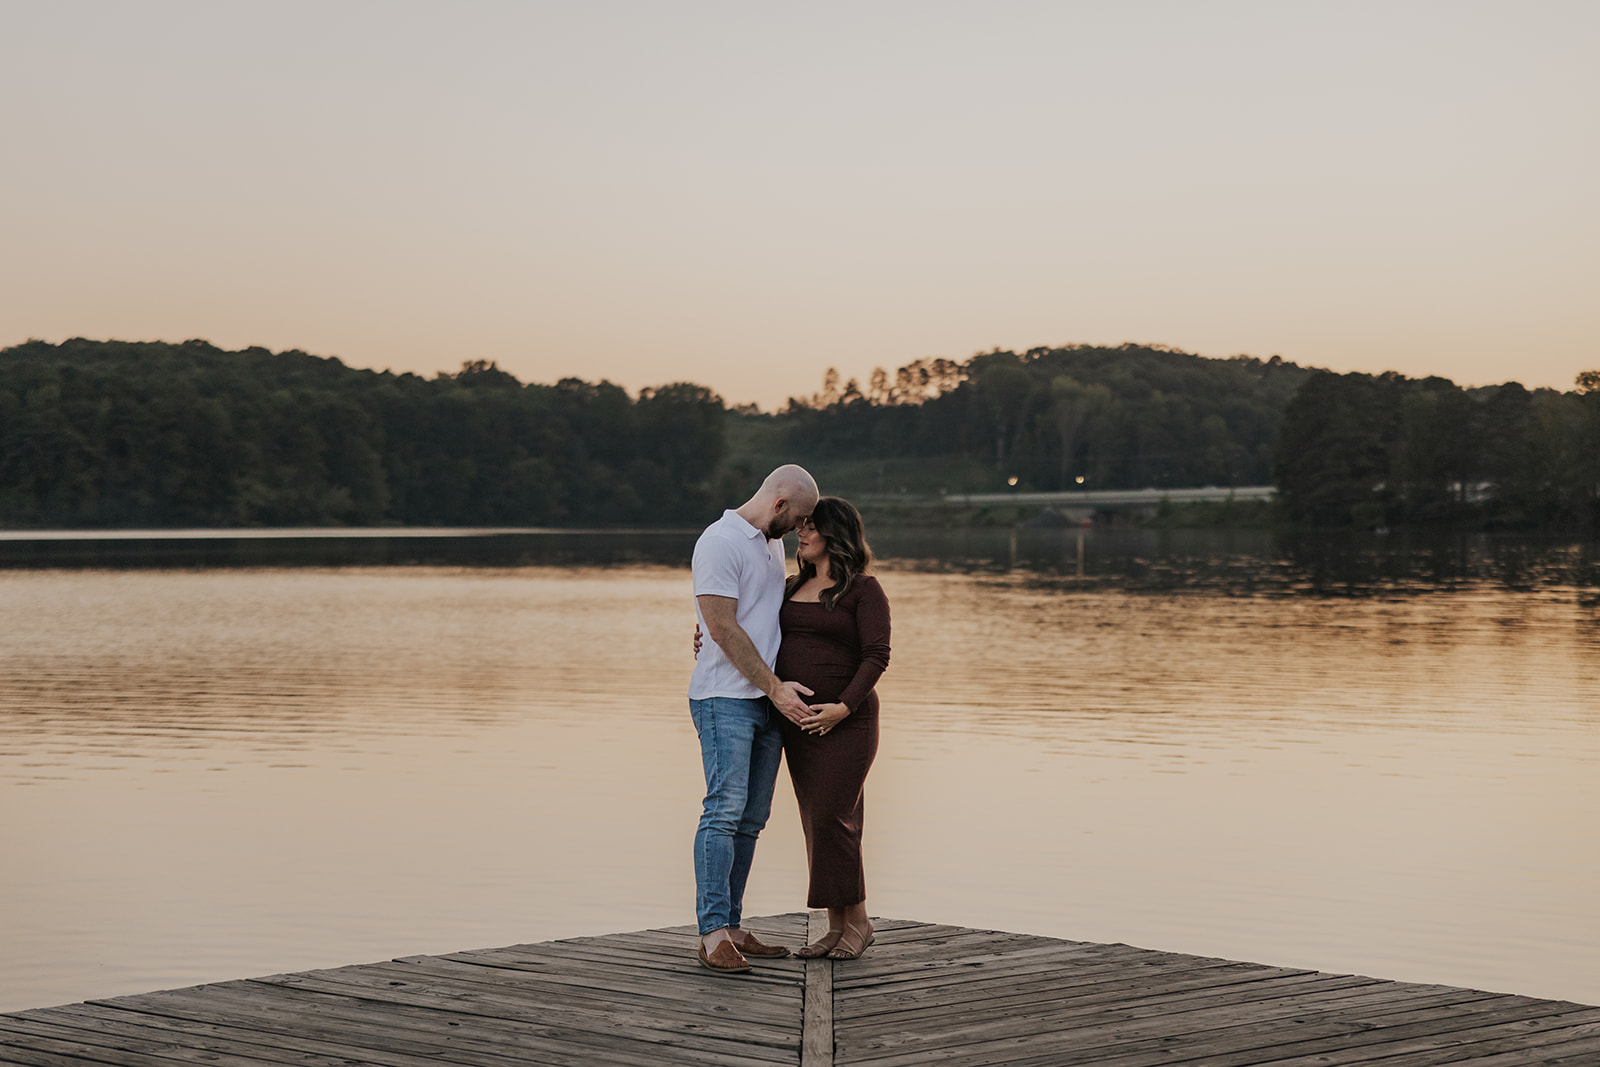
(872, 629)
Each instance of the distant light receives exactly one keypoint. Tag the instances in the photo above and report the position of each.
(1013, 480)
(1080, 479)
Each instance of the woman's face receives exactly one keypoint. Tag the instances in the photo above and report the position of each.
(813, 546)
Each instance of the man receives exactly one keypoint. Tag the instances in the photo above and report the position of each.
(734, 698)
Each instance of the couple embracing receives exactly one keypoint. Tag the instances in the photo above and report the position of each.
(788, 667)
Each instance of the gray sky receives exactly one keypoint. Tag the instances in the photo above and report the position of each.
(743, 194)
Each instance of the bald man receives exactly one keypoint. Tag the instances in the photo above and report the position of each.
(734, 699)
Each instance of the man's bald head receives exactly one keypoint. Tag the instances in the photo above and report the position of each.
(786, 496)
(791, 481)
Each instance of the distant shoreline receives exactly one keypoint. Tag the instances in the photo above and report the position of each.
(264, 533)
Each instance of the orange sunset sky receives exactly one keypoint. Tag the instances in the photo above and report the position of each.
(743, 194)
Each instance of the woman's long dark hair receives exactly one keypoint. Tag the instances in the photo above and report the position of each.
(839, 524)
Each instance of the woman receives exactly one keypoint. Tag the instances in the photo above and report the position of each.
(835, 622)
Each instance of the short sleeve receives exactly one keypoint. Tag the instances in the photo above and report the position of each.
(716, 568)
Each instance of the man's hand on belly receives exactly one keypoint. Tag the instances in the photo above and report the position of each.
(786, 697)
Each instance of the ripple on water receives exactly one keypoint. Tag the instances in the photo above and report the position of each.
(235, 771)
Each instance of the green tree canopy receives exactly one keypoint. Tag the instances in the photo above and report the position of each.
(110, 433)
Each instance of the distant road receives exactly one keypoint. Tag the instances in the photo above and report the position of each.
(1101, 498)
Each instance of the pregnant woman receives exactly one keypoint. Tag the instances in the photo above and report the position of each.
(836, 642)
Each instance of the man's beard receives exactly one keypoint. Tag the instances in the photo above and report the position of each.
(773, 532)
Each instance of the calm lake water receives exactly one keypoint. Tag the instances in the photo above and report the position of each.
(232, 757)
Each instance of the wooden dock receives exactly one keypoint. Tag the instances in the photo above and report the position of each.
(924, 993)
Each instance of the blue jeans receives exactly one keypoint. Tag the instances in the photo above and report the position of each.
(740, 746)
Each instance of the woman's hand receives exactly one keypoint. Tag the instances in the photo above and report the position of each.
(823, 718)
(697, 636)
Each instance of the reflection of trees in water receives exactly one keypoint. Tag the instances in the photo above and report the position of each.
(1234, 562)
(1421, 560)
(1251, 562)
(454, 548)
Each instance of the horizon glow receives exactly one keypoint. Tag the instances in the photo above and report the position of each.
(743, 197)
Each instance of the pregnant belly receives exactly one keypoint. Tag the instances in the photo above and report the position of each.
(827, 679)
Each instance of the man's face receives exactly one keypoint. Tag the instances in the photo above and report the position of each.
(787, 518)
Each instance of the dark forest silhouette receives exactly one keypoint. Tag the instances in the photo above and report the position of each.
(152, 434)
(1380, 450)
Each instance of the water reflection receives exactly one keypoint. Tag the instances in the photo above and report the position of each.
(346, 548)
(1227, 561)
(1255, 562)
(1364, 755)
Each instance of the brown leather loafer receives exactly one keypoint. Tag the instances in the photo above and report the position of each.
(724, 959)
(751, 945)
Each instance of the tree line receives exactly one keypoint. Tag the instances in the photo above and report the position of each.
(1343, 449)
(1382, 450)
(110, 433)
(1132, 416)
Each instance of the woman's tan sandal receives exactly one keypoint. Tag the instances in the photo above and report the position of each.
(821, 947)
(842, 951)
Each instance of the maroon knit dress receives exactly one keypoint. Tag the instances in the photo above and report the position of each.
(840, 653)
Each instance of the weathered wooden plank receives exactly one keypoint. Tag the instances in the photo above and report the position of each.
(105, 1049)
(1353, 1046)
(110, 1037)
(681, 946)
(948, 977)
(1103, 1030)
(1523, 1042)
(678, 961)
(1022, 970)
(378, 1041)
(953, 945)
(783, 972)
(667, 1028)
(892, 965)
(775, 980)
(968, 961)
(881, 923)
(1067, 963)
(483, 1042)
(741, 1014)
(976, 948)
(1578, 1053)
(1404, 1044)
(1106, 1024)
(688, 990)
(1099, 985)
(29, 1057)
(929, 932)
(675, 946)
(943, 948)
(1256, 1040)
(776, 999)
(816, 1043)
(944, 955)
(1133, 1002)
(796, 918)
(770, 976)
(428, 1031)
(599, 983)
(1182, 1010)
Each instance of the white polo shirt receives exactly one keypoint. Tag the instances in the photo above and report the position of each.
(734, 559)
